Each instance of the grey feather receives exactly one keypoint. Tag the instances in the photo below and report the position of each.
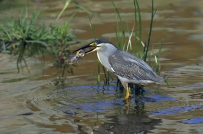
(128, 66)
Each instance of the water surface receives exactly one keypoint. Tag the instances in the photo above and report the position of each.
(39, 106)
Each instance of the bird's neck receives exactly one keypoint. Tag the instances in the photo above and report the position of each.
(104, 58)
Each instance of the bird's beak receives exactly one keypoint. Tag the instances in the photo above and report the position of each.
(88, 48)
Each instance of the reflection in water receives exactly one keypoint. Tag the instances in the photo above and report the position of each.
(85, 110)
(128, 124)
(96, 99)
(131, 116)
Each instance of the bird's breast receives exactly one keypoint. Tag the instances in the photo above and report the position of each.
(104, 61)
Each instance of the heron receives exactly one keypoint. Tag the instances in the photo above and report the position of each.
(127, 67)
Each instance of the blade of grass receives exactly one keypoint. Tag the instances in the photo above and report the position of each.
(129, 40)
(137, 9)
(64, 8)
(117, 42)
(116, 28)
(149, 32)
(135, 24)
(98, 74)
(92, 28)
(122, 23)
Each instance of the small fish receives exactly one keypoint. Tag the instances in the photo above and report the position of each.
(76, 57)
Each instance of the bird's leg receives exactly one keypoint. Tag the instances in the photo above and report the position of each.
(127, 95)
(127, 101)
(127, 89)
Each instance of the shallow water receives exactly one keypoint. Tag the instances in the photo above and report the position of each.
(39, 106)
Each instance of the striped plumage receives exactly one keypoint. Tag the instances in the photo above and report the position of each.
(128, 66)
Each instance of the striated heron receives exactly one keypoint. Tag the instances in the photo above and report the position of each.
(127, 67)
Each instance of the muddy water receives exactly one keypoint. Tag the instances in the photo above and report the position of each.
(39, 106)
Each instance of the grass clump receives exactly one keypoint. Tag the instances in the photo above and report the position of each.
(26, 36)
(60, 47)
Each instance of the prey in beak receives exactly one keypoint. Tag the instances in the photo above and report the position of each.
(81, 52)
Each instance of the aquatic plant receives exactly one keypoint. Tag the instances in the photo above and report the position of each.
(59, 50)
(25, 36)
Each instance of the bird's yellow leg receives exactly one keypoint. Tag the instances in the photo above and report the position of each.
(127, 101)
(127, 95)
(127, 89)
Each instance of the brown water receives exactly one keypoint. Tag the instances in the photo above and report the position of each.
(38, 106)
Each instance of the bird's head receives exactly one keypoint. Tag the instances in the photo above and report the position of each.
(97, 45)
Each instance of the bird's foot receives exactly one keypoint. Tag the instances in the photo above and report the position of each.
(127, 95)
(127, 98)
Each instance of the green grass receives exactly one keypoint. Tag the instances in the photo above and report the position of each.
(27, 36)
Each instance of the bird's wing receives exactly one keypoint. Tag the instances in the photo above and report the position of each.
(128, 66)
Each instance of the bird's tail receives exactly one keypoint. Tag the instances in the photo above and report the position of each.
(159, 80)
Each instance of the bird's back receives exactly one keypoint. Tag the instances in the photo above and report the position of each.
(129, 67)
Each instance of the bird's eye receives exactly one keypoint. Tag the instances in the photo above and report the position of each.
(94, 44)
